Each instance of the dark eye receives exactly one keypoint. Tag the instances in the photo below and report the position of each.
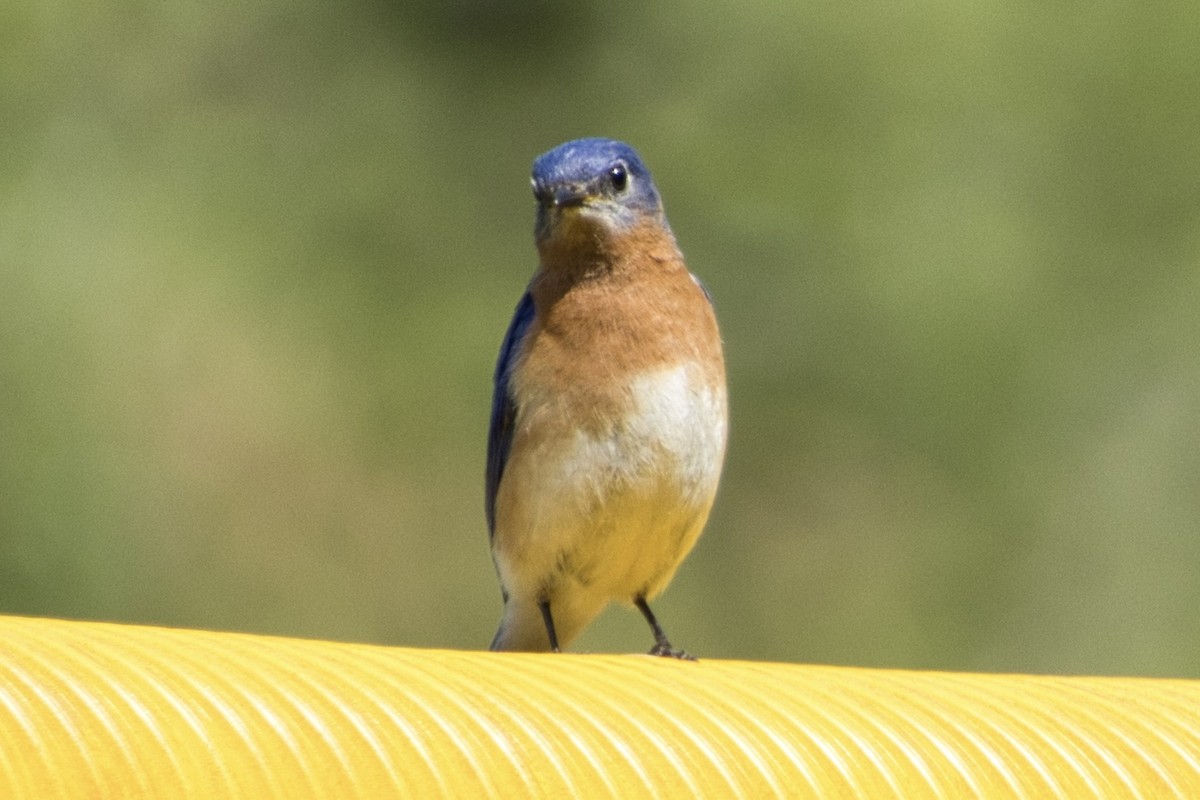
(619, 177)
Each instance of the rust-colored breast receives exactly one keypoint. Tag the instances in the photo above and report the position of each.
(599, 326)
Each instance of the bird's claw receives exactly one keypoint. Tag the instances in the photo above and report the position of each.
(663, 649)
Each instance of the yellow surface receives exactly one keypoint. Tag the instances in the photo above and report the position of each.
(93, 710)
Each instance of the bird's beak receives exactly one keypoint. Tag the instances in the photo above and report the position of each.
(571, 194)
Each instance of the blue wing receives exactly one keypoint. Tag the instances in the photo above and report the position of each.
(504, 410)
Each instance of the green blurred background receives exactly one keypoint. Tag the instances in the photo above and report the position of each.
(256, 261)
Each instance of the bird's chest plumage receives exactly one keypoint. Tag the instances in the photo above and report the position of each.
(619, 433)
(627, 380)
(654, 431)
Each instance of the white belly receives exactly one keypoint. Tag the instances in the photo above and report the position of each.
(613, 514)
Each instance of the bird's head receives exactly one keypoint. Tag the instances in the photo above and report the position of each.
(588, 190)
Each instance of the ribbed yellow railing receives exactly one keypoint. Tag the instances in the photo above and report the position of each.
(92, 710)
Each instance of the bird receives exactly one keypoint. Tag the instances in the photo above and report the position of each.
(609, 413)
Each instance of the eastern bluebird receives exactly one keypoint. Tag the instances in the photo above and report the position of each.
(609, 415)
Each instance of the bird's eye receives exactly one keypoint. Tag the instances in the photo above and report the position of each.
(619, 177)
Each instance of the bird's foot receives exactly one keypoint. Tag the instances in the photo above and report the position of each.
(664, 649)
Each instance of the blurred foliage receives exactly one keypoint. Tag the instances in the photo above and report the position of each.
(256, 261)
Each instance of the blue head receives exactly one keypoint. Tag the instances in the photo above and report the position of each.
(587, 184)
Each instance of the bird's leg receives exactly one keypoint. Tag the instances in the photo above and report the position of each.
(549, 620)
(662, 647)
